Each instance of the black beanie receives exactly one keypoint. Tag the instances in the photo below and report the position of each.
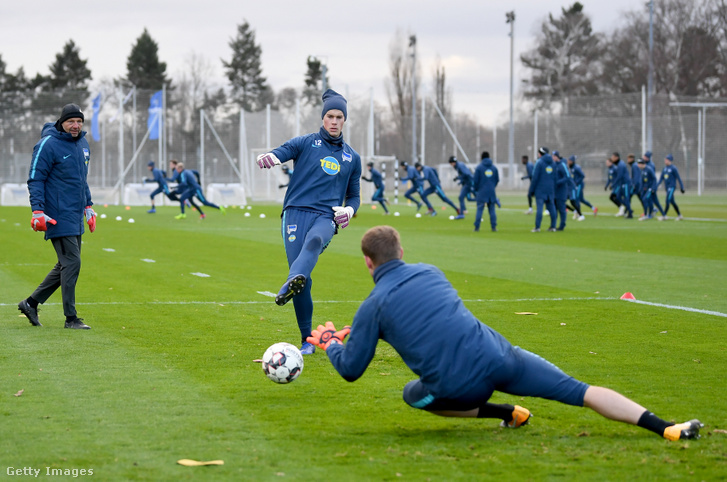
(69, 112)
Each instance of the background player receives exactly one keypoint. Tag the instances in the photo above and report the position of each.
(543, 188)
(529, 176)
(416, 185)
(486, 179)
(378, 181)
(465, 179)
(158, 177)
(430, 174)
(670, 176)
(579, 179)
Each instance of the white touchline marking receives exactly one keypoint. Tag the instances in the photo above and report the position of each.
(267, 293)
(683, 308)
(147, 260)
(201, 275)
(110, 250)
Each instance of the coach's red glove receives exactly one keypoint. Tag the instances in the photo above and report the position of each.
(90, 218)
(39, 220)
(325, 336)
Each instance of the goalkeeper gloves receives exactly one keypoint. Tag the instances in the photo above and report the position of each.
(342, 215)
(325, 336)
(267, 161)
(39, 220)
(90, 218)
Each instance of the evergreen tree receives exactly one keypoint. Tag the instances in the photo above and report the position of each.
(244, 71)
(314, 81)
(144, 70)
(12, 82)
(565, 61)
(69, 71)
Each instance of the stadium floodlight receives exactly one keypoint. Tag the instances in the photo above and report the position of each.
(510, 16)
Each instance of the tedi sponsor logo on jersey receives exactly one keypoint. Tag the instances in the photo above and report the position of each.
(548, 169)
(488, 173)
(330, 165)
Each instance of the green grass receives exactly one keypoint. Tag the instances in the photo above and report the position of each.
(167, 373)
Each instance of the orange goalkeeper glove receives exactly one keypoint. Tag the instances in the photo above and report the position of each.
(325, 336)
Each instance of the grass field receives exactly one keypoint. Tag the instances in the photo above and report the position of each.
(166, 372)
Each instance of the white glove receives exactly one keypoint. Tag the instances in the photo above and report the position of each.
(342, 215)
(267, 160)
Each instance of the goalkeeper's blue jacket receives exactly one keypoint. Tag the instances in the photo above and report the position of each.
(415, 309)
(327, 173)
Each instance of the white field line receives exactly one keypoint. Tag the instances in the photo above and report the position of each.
(683, 308)
(588, 213)
(509, 300)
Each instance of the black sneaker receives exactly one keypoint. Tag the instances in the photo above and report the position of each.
(295, 286)
(77, 324)
(29, 312)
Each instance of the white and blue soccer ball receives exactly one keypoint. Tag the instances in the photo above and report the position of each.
(282, 362)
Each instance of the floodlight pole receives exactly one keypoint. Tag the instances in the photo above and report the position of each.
(650, 81)
(413, 45)
(510, 16)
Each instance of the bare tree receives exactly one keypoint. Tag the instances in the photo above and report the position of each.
(399, 92)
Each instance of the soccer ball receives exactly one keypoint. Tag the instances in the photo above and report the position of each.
(282, 362)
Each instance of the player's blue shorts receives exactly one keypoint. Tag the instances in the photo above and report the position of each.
(522, 373)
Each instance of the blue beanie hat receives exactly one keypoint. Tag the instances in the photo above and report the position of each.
(334, 100)
(572, 158)
(670, 157)
(556, 153)
(647, 154)
(150, 163)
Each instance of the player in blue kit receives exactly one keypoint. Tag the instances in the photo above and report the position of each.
(416, 186)
(542, 187)
(563, 188)
(486, 179)
(378, 181)
(647, 183)
(322, 197)
(621, 184)
(529, 166)
(430, 174)
(670, 176)
(413, 307)
(189, 188)
(158, 177)
(465, 179)
(579, 179)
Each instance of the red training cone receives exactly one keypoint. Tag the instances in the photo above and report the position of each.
(628, 296)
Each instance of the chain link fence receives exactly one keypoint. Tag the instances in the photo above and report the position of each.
(590, 128)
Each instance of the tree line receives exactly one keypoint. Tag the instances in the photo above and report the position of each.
(569, 60)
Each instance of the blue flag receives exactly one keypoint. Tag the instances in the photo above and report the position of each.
(94, 122)
(154, 122)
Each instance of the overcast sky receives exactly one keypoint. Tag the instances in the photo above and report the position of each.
(469, 36)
